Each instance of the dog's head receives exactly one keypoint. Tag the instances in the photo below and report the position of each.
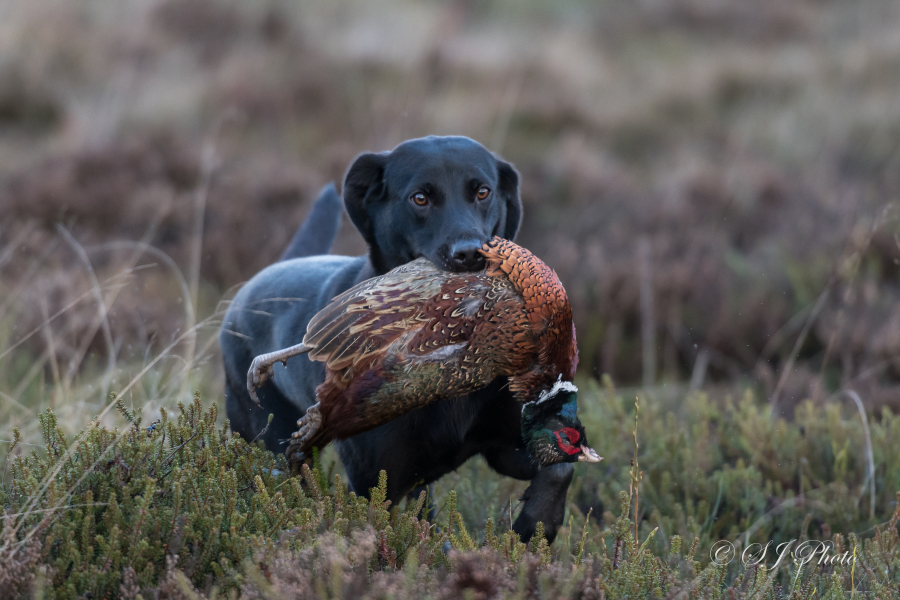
(437, 197)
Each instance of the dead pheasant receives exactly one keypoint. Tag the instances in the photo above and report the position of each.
(418, 334)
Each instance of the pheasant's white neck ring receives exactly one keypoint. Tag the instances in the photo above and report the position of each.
(559, 386)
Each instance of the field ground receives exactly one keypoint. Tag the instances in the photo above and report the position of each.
(715, 181)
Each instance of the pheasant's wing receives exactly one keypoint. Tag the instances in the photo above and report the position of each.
(363, 321)
(415, 335)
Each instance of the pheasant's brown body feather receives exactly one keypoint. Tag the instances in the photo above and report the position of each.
(418, 334)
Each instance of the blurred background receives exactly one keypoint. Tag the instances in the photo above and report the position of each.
(714, 181)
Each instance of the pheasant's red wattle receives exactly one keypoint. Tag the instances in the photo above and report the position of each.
(572, 434)
(565, 446)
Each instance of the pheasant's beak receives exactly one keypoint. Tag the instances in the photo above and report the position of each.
(588, 455)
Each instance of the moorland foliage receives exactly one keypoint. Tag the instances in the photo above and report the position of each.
(182, 508)
(715, 181)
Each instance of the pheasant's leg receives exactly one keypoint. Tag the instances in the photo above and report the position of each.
(261, 368)
(309, 425)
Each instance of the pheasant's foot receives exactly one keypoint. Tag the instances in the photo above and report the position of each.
(299, 445)
(261, 368)
(309, 424)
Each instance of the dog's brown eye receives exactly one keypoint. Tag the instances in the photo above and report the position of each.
(483, 192)
(419, 199)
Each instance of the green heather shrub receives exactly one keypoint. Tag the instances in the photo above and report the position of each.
(718, 469)
(180, 494)
(182, 508)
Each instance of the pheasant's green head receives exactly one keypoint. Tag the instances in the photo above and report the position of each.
(551, 429)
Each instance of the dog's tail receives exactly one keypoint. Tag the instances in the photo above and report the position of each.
(319, 230)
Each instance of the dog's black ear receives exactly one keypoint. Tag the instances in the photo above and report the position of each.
(363, 185)
(508, 180)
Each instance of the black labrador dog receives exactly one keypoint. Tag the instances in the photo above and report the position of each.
(437, 197)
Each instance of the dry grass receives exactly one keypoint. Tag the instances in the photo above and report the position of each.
(751, 156)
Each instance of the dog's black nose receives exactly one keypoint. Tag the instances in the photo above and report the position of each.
(464, 256)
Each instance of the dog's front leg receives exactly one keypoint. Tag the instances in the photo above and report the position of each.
(545, 499)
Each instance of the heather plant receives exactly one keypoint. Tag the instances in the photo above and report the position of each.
(182, 493)
(718, 465)
(182, 508)
(704, 173)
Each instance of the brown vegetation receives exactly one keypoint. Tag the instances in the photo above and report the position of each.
(758, 166)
